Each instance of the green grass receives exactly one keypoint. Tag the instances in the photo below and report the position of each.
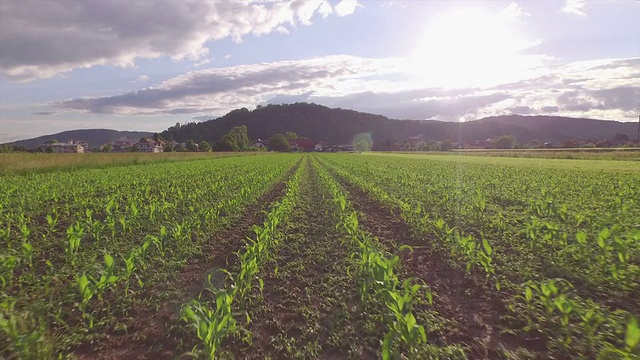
(631, 154)
(604, 165)
(28, 163)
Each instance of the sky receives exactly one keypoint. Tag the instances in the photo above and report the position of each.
(148, 64)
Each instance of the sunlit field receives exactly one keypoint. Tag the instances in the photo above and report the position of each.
(21, 163)
(580, 154)
(398, 256)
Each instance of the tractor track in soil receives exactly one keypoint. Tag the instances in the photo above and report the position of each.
(155, 333)
(474, 307)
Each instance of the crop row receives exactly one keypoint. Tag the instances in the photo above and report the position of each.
(217, 319)
(81, 248)
(380, 287)
(474, 219)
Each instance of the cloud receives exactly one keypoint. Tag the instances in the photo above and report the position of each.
(221, 89)
(141, 79)
(40, 39)
(575, 7)
(346, 7)
(45, 113)
(513, 12)
(606, 88)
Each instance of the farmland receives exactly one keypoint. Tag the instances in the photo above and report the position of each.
(330, 256)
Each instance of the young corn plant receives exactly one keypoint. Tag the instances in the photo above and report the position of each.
(74, 235)
(86, 291)
(107, 278)
(404, 327)
(25, 335)
(212, 325)
(8, 264)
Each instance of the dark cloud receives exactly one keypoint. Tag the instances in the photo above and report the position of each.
(45, 113)
(417, 104)
(42, 38)
(522, 110)
(550, 109)
(219, 90)
(625, 98)
(204, 90)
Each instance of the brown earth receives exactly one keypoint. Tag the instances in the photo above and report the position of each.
(310, 307)
(154, 331)
(474, 308)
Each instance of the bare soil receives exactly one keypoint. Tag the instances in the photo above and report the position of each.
(310, 305)
(474, 308)
(152, 329)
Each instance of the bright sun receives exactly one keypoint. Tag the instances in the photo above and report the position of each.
(469, 47)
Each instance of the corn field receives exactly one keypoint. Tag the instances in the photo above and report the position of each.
(329, 256)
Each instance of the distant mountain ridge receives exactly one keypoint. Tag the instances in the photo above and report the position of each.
(340, 126)
(94, 137)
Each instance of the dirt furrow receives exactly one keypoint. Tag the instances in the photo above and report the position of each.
(152, 330)
(309, 301)
(473, 307)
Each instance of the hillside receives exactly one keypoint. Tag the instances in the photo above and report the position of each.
(340, 126)
(95, 137)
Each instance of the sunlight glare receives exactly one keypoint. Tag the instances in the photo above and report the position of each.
(470, 47)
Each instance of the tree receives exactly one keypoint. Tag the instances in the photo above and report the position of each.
(191, 145)
(446, 145)
(51, 141)
(49, 149)
(107, 148)
(290, 135)
(235, 140)
(621, 137)
(503, 142)
(204, 146)
(278, 143)
(227, 143)
(571, 144)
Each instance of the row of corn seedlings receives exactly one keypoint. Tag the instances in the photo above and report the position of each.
(472, 251)
(73, 263)
(584, 328)
(217, 319)
(378, 281)
(489, 205)
(604, 261)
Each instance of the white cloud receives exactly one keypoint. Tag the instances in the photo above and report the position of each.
(606, 88)
(325, 9)
(221, 89)
(40, 39)
(141, 79)
(346, 7)
(574, 7)
(513, 12)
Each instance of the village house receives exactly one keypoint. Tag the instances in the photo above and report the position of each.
(68, 148)
(258, 144)
(302, 144)
(149, 145)
(123, 144)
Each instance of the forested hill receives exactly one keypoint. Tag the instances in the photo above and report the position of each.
(95, 137)
(338, 126)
